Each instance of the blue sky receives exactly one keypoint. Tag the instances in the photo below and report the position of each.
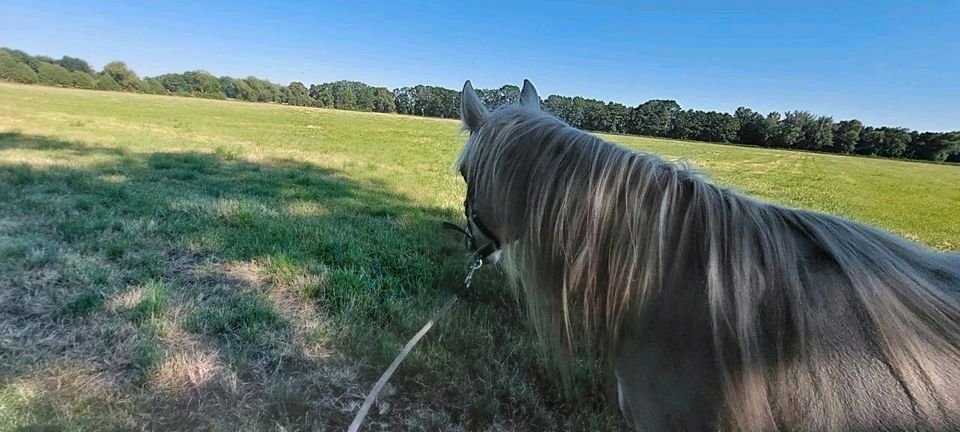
(886, 63)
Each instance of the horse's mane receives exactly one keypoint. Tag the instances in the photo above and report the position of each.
(603, 233)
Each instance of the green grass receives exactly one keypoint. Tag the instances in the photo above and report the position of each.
(182, 263)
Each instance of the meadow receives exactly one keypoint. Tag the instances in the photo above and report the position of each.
(179, 263)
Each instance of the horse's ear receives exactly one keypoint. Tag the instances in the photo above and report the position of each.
(529, 97)
(472, 111)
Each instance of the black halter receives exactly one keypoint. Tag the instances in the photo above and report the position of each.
(483, 251)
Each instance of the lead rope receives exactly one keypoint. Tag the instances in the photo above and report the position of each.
(372, 396)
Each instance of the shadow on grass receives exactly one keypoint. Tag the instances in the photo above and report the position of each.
(288, 284)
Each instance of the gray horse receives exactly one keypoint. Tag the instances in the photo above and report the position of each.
(714, 311)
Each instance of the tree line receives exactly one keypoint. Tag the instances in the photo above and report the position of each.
(658, 118)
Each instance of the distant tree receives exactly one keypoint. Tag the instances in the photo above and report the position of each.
(245, 92)
(870, 139)
(11, 69)
(955, 156)
(228, 86)
(709, 126)
(817, 134)
(653, 117)
(563, 108)
(355, 95)
(617, 114)
(934, 146)
(54, 75)
(424, 100)
(847, 136)
(884, 141)
(383, 100)
(323, 94)
(175, 84)
(106, 82)
(720, 127)
(345, 99)
(753, 128)
(202, 84)
(495, 98)
(21, 57)
(297, 94)
(73, 64)
(262, 90)
(126, 78)
(771, 125)
(234, 88)
(404, 99)
(153, 86)
(894, 142)
(83, 80)
(595, 116)
(791, 130)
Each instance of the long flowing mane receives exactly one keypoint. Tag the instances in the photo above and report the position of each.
(607, 240)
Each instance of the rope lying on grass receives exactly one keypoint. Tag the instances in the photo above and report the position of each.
(372, 396)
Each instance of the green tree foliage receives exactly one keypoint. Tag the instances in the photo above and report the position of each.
(345, 99)
(771, 127)
(753, 127)
(427, 101)
(653, 117)
(616, 120)
(174, 84)
(83, 80)
(21, 57)
(935, 146)
(817, 134)
(582, 113)
(193, 83)
(562, 107)
(123, 76)
(153, 86)
(847, 136)
(894, 143)
(884, 141)
(259, 90)
(707, 126)
(202, 84)
(54, 75)
(297, 94)
(495, 98)
(792, 129)
(73, 64)
(13, 70)
(106, 82)
(353, 95)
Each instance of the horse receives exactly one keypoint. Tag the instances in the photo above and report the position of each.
(712, 310)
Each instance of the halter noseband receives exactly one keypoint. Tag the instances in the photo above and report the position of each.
(483, 251)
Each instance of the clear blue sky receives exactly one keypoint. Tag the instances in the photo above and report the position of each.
(886, 63)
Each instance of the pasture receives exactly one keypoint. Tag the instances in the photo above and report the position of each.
(181, 263)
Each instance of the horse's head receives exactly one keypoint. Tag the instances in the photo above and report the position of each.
(490, 210)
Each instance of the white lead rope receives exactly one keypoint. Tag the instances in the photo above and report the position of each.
(372, 396)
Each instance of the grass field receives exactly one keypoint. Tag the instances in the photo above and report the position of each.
(180, 263)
